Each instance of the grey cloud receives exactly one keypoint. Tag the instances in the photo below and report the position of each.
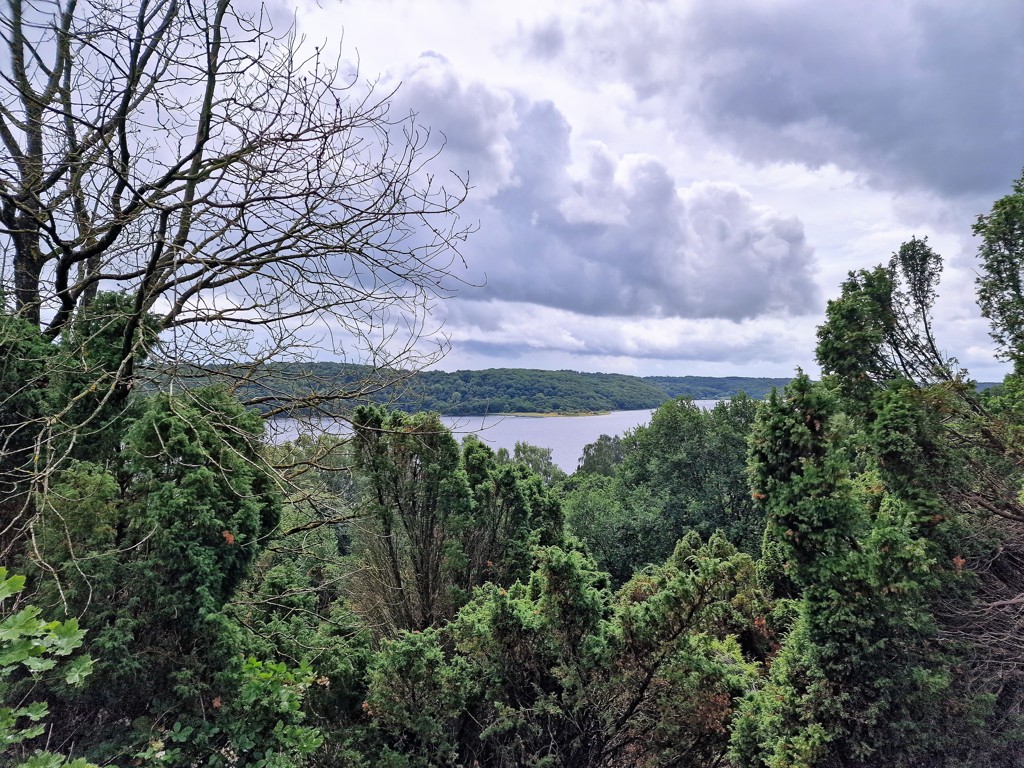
(501, 329)
(498, 351)
(618, 236)
(930, 98)
(924, 94)
(703, 251)
(473, 119)
(546, 41)
(751, 257)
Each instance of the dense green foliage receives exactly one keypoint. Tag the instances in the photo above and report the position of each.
(866, 557)
(439, 522)
(560, 671)
(685, 471)
(892, 505)
(1001, 280)
(602, 456)
(28, 646)
(715, 387)
(149, 548)
(826, 578)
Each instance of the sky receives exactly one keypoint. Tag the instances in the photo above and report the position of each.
(677, 188)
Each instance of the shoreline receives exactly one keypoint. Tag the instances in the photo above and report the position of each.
(528, 414)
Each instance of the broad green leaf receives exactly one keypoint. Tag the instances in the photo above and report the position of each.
(43, 760)
(24, 622)
(78, 670)
(39, 664)
(66, 637)
(10, 586)
(35, 711)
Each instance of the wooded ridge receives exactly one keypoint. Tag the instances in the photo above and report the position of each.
(495, 390)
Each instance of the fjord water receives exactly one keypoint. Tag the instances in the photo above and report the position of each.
(564, 435)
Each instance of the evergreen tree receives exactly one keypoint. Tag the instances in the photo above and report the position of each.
(862, 674)
(149, 554)
(559, 671)
(25, 402)
(439, 521)
(1000, 283)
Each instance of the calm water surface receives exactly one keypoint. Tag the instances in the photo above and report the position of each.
(564, 435)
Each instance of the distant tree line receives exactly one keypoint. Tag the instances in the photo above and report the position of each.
(496, 390)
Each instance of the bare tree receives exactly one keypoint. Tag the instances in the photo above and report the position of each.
(183, 153)
(250, 200)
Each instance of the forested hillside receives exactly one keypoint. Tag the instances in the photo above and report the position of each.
(495, 390)
(462, 393)
(273, 386)
(715, 387)
(511, 390)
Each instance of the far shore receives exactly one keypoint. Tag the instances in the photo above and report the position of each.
(528, 414)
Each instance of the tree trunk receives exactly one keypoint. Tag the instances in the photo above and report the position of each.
(27, 269)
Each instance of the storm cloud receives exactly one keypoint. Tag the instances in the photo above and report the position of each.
(602, 233)
(676, 187)
(922, 94)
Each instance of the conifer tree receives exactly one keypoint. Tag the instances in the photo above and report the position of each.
(860, 675)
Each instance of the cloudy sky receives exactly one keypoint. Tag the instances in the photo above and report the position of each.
(679, 187)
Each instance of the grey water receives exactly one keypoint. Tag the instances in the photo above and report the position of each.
(566, 436)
